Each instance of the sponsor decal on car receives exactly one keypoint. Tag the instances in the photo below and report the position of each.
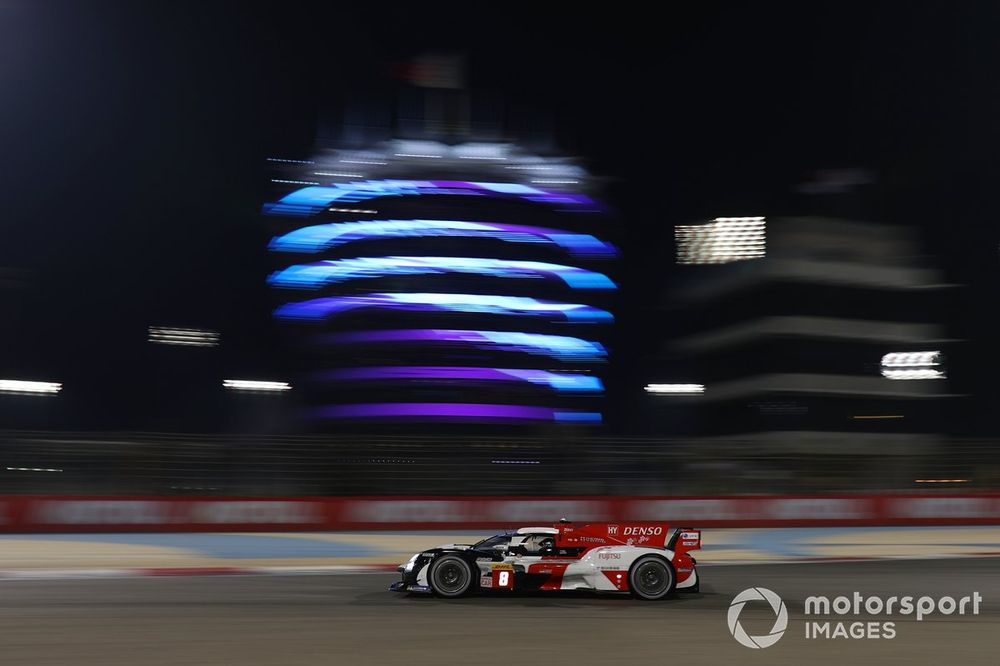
(486, 581)
(642, 531)
(610, 556)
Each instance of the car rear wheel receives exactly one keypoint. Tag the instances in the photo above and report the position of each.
(450, 576)
(651, 578)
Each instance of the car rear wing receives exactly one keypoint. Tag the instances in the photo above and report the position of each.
(684, 539)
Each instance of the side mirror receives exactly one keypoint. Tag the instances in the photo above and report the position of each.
(500, 548)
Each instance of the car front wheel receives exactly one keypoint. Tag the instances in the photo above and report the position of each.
(450, 576)
(651, 578)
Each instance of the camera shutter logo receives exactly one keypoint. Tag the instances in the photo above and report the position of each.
(780, 622)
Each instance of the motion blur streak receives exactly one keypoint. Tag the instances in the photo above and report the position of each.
(676, 389)
(192, 337)
(292, 620)
(560, 347)
(912, 365)
(477, 411)
(911, 359)
(723, 240)
(32, 469)
(319, 274)
(927, 373)
(30, 387)
(312, 200)
(317, 238)
(321, 308)
(558, 381)
(255, 385)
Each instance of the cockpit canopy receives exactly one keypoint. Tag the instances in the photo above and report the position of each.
(525, 541)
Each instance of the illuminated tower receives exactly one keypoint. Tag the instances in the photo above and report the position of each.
(462, 283)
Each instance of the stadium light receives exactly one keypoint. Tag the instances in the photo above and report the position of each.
(911, 359)
(28, 387)
(33, 469)
(912, 365)
(921, 373)
(723, 240)
(189, 337)
(675, 389)
(256, 385)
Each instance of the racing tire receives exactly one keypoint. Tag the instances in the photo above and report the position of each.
(450, 576)
(651, 578)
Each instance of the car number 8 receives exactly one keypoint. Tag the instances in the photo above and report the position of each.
(503, 578)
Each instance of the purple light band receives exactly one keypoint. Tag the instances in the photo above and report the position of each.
(320, 237)
(563, 382)
(313, 199)
(522, 306)
(332, 271)
(455, 411)
(561, 347)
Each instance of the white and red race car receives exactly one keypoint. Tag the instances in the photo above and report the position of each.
(645, 559)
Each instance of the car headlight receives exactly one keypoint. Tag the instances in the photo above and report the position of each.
(408, 567)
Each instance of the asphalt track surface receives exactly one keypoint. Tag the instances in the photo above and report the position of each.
(347, 619)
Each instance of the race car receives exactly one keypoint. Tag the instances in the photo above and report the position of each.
(643, 559)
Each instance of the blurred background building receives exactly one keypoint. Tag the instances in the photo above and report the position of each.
(806, 336)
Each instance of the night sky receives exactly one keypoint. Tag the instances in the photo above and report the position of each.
(133, 137)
